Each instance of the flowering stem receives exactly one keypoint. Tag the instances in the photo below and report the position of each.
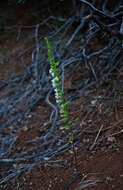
(57, 85)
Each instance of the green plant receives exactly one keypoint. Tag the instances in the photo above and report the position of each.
(59, 95)
(63, 105)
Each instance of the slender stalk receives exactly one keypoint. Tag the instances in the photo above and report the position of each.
(63, 105)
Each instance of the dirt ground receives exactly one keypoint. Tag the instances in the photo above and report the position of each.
(96, 162)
